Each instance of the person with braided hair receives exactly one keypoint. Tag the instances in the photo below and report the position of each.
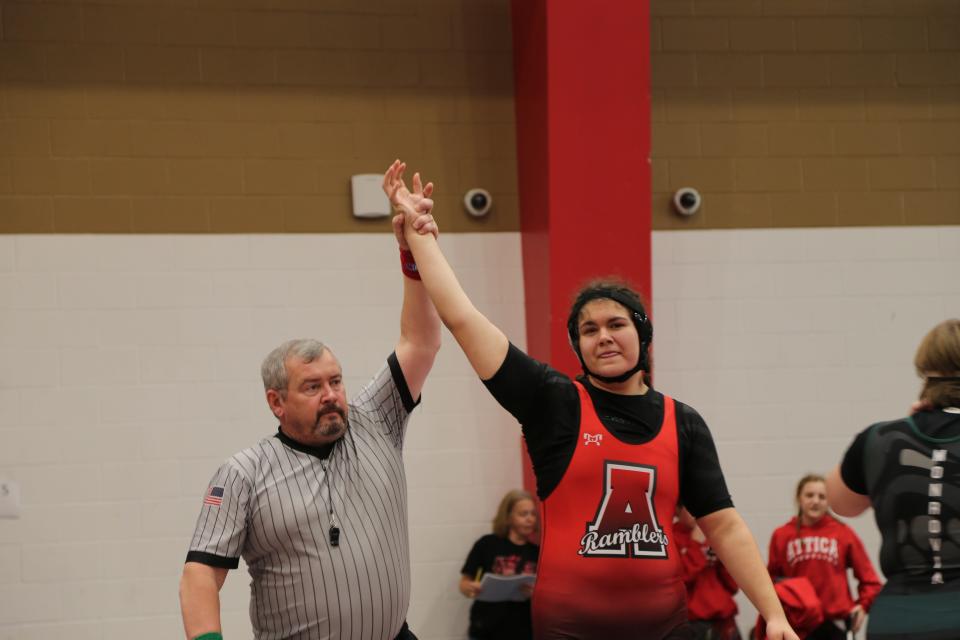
(612, 458)
(908, 470)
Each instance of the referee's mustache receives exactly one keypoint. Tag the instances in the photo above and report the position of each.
(331, 408)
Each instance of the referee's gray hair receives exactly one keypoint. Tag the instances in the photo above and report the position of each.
(274, 367)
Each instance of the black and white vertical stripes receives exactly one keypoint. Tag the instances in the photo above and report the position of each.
(275, 514)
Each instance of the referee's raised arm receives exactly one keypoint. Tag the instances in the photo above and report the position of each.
(419, 323)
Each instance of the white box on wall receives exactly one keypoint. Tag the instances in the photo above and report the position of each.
(369, 200)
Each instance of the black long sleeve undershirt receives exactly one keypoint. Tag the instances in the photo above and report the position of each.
(546, 404)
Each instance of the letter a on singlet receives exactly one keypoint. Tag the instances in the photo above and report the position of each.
(626, 523)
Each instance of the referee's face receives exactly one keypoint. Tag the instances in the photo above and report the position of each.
(314, 409)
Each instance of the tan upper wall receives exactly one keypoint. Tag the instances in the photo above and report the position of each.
(248, 115)
(787, 113)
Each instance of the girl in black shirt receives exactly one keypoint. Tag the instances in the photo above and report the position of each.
(507, 551)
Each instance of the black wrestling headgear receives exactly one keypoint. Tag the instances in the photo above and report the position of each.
(629, 299)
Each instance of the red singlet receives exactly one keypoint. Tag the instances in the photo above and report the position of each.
(609, 566)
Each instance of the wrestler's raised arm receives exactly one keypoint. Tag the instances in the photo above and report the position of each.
(482, 342)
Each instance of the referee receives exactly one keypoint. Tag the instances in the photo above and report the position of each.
(318, 511)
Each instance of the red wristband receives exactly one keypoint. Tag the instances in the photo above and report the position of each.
(408, 264)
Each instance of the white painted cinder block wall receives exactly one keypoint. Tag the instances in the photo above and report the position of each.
(789, 342)
(129, 370)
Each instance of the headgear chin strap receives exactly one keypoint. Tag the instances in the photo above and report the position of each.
(623, 377)
(640, 321)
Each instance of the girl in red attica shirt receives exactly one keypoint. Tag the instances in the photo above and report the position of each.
(820, 548)
(710, 587)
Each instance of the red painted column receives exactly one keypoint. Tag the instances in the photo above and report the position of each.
(582, 92)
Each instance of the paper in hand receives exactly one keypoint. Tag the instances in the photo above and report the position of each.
(495, 588)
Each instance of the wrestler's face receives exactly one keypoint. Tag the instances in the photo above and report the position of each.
(313, 409)
(812, 501)
(523, 517)
(609, 342)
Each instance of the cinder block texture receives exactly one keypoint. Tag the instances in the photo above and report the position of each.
(791, 341)
(261, 101)
(129, 370)
(835, 99)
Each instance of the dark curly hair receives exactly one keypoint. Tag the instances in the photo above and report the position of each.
(618, 291)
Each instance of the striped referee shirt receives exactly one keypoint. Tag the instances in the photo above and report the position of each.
(271, 504)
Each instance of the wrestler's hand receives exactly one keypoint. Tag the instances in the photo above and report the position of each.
(779, 629)
(411, 205)
(422, 224)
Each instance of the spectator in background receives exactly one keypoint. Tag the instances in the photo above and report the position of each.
(817, 546)
(710, 587)
(506, 552)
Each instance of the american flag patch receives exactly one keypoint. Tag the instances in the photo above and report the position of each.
(214, 496)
